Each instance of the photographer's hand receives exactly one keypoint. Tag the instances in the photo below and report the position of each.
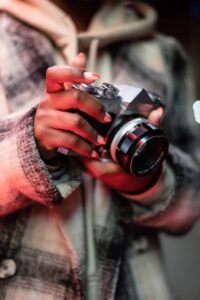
(57, 124)
(112, 174)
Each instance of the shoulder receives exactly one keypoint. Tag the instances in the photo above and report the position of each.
(14, 31)
(24, 57)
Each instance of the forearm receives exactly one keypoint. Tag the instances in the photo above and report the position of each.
(172, 203)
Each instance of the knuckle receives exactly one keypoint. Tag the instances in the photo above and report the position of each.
(73, 142)
(39, 132)
(50, 71)
(97, 171)
(75, 72)
(45, 102)
(42, 105)
(77, 96)
(40, 115)
(77, 120)
(70, 71)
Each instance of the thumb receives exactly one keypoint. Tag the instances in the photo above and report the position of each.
(156, 115)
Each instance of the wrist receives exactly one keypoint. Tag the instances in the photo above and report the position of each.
(46, 155)
(51, 158)
(150, 187)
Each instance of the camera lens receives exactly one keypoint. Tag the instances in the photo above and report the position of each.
(138, 146)
(148, 156)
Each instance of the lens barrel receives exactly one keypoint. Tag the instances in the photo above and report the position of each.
(138, 146)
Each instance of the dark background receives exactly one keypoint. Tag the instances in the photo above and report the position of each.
(181, 19)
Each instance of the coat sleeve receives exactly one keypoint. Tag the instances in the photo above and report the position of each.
(175, 205)
(24, 177)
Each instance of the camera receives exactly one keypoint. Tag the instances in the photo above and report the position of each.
(132, 141)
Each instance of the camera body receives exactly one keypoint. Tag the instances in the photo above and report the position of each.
(132, 141)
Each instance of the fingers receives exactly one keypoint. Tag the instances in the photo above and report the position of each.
(156, 115)
(57, 123)
(99, 169)
(72, 122)
(56, 76)
(76, 100)
(51, 139)
(54, 129)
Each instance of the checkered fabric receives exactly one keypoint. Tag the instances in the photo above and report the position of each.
(47, 242)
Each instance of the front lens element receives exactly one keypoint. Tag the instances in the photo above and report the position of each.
(139, 147)
(147, 156)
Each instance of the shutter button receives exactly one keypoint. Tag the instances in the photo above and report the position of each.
(7, 268)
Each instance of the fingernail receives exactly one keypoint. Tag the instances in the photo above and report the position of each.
(107, 117)
(91, 75)
(101, 140)
(94, 154)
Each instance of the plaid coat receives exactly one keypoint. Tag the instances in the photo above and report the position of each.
(94, 244)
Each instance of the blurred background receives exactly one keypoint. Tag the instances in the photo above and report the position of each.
(181, 19)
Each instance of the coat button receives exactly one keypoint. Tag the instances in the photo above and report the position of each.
(7, 268)
(141, 245)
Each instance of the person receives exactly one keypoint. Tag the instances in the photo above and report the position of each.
(77, 227)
